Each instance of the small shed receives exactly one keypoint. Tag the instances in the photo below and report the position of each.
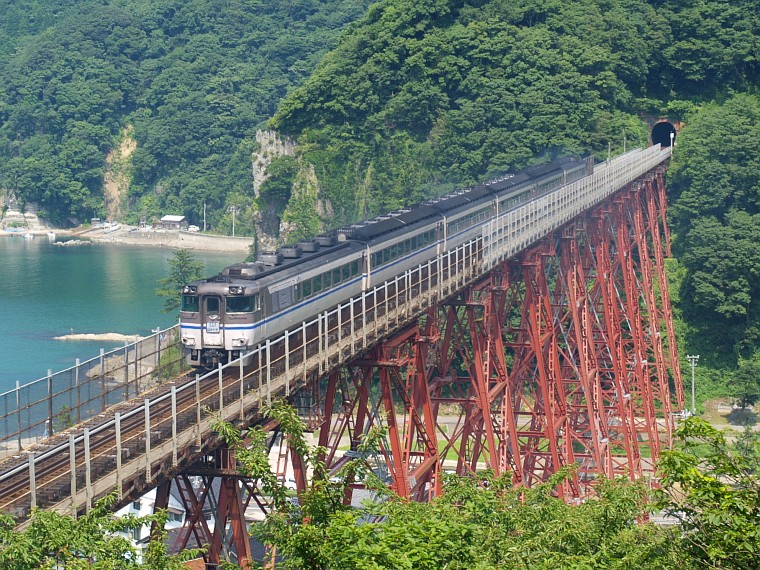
(170, 222)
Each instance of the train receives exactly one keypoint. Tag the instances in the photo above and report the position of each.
(226, 316)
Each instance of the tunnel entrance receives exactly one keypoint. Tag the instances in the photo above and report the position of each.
(661, 133)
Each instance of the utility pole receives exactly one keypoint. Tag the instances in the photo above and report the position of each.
(693, 359)
(204, 217)
(233, 209)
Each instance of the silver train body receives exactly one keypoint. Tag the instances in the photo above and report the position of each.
(225, 316)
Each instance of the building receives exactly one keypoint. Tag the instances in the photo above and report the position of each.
(170, 222)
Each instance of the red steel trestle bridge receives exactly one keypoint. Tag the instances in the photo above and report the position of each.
(546, 342)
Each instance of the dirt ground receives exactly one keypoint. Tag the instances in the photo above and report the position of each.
(723, 415)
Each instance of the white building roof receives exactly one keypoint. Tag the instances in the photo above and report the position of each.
(171, 218)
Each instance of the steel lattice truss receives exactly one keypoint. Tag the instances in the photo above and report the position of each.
(562, 356)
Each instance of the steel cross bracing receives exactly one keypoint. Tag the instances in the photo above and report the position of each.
(557, 357)
(547, 342)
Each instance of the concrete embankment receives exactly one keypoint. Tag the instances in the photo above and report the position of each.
(178, 239)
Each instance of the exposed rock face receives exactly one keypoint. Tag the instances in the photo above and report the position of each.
(118, 173)
(270, 146)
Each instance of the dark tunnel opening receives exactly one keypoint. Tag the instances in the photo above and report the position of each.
(661, 134)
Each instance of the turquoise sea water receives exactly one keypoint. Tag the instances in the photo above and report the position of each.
(48, 291)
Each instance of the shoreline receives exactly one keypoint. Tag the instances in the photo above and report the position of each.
(130, 235)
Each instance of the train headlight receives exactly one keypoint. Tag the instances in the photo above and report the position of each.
(190, 289)
(235, 290)
(239, 341)
(188, 341)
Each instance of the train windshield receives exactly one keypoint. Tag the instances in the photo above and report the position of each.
(190, 303)
(246, 304)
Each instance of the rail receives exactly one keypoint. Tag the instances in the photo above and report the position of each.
(131, 447)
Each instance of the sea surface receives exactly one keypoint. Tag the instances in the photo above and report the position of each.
(48, 291)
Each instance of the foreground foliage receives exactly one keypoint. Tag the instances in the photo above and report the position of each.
(481, 522)
(51, 540)
(709, 488)
(714, 491)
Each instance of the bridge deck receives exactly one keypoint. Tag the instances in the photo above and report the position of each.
(135, 445)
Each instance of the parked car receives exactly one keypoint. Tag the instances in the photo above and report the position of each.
(193, 229)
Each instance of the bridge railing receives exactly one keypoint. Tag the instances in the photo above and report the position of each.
(158, 432)
(40, 408)
(514, 230)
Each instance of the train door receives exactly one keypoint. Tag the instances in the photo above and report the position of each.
(213, 333)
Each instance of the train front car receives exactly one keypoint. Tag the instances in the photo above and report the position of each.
(217, 318)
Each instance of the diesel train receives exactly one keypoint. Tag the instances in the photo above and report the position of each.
(225, 316)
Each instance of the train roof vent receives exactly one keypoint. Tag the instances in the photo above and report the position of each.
(270, 258)
(325, 241)
(243, 270)
(310, 246)
(290, 251)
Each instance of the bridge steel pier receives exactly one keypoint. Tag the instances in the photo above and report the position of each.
(561, 356)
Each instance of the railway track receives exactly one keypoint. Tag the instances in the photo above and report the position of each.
(72, 469)
(86, 453)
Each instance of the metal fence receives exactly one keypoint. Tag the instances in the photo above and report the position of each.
(61, 399)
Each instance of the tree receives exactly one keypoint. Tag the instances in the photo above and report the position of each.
(714, 184)
(183, 270)
(746, 384)
(715, 495)
(89, 542)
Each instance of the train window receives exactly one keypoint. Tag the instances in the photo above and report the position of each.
(354, 268)
(307, 288)
(336, 276)
(327, 278)
(298, 292)
(317, 283)
(212, 305)
(189, 303)
(346, 271)
(246, 304)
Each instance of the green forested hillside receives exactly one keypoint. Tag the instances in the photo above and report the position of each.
(714, 186)
(193, 78)
(427, 91)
